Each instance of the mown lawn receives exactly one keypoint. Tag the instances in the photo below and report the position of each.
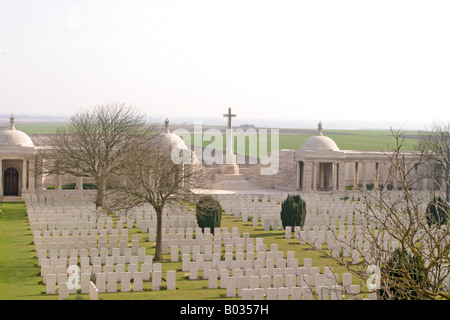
(19, 273)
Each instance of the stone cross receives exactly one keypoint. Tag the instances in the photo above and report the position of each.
(229, 145)
(229, 115)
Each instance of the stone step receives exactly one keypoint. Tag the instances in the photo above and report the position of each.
(229, 177)
(239, 185)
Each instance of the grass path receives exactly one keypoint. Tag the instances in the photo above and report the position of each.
(19, 275)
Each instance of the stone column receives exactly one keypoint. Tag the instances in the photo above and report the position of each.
(308, 176)
(363, 175)
(342, 165)
(298, 176)
(376, 173)
(355, 178)
(424, 178)
(24, 175)
(334, 169)
(416, 177)
(314, 176)
(31, 175)
(39, 176)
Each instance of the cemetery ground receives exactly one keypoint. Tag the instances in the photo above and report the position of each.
(19, 270)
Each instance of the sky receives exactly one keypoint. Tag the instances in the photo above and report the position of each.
(350, 64)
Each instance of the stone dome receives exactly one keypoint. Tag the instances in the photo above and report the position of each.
(172, 140)
(13, 137)
(319, 142)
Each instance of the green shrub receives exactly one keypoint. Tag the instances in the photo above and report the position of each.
(89, 186)
(437, 211)
(348, 187)
(208, 212)
(402, 273)
(293, 211)
(369, 186)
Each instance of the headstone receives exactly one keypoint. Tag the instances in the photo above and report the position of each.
(231, 286)
(138, 281)
(247, 294)
(283, 293)
(63, 290)
(193, 270)
(156, 280)
(258, 294)
(212, 279)
(51, 284)
(85, 282)
(112, 281)
(336, 292)
(101, 282)
(272, 293)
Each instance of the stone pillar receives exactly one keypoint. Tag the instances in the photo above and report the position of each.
(308, 175)
(363, 175)
(375, 178)
(424, 178)
(342, 165)
(355, 178)
(298, 176)
(334, 172)
(314, 176)
(32, 175)
(39, 176)
(416, 177)
(24, 175)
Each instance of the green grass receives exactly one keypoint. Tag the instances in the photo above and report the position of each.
(19, 273)
(18, 270)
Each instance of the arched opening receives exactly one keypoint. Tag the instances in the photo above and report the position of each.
(11, 182)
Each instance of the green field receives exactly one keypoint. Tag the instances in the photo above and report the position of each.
(360, 140)
(345, 140)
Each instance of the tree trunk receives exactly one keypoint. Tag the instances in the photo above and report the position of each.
(100, 199)
(158, 249)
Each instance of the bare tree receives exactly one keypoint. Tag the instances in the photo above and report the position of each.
(392, 238)
(93, 142)
(435, 145)
(148, 174)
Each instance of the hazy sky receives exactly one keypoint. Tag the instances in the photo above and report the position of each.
(353, 61)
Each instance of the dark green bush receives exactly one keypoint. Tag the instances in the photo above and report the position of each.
(402, 273)
(437, 212)
(293, 211)
(208, 212)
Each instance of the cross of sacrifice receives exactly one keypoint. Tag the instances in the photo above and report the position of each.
(229, 115)
(229, 146)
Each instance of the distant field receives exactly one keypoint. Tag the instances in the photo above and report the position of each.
(361, 140)
(345, 140)
(38, 128)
